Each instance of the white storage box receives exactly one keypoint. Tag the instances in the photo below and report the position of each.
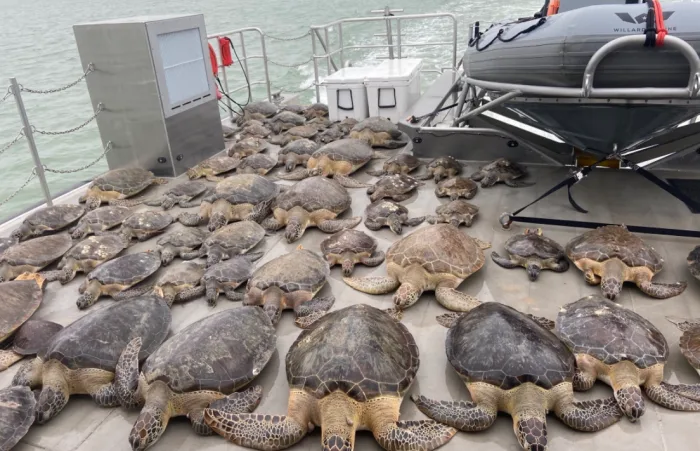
(393, 87)
(347, 95)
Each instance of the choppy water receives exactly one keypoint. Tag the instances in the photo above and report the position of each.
(38, 48)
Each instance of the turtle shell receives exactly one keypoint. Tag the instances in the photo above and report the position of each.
(33, 336)
(97, 339)
(242, 235)
(607, 242)
(359, 350)
(456, 183)
(237, 269)
(127, 181)
(378, 125)
(498, 345)
(189, 189)
(299, 270)
(333, 133)
(300, 147)
(348, 240)
(690, 346)
(294, 108)
(256, 162)
(354, 151)
(19, 299)
(602, 329)
(148, 220)
(245, 189)
(222, 352)
(440, 248)
(220, 164)
(128, 269)
(55, 217)
(303, 131)
(255, 129)
(108, 216)
(383, 208)
(185, 273)
(315, 193)
(102, 248)
(288, 117)
(17, 406)
(267, 109)
(186, 237)
(403, 159)
(248, 146)
(397, 184)
(534, 245)
(459, 207)
(5, 243)
(38, 252)
(316, 110)
(446, 162)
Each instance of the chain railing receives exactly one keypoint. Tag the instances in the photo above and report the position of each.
(7, 95)
(294, 38)
(7, 146)
(100, 108)
(106, 150)
(90, 68)
(31, 177)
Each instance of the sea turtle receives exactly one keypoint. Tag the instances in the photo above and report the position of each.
(350, 247)
(116, 276)
(332, 133)
(299, 132)
(320, 123)
(28, 340)
(83, 357)
(690, 347)
(226, 276)
(145, 224)
(316, 110)
(257, 111)
(316, 201)
(441, 168)
(5, 244)
(296, 153)
(612, 255)
(256, 164)
(455, 212)
(48, 220)
(89, 254)
(347, 124)
(534, 252)
(348, 372)
(212, 167)
(694, 262)
(228, 130)
(401, 163)
(202, 366)
(338, 159)
(239, 197)
(387, 213)
(100, 220)
(179, 283)
(501, 170)
(285, 120)
(253, 129)
(438, 257)
(247, 147)
(179, 242)
(17, 406)
(228, 241)
(510, 363)
(398, 187)
(33, 255)
(456, 187)
(294, 108)
(379, 132)
(622, 349)
(181, 195)
(291, 281)
(115, 186)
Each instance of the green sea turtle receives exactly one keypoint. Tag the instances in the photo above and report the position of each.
(239, 197)
(348, 372)
(456, 187)
(228, 130)
(28, 340)
(116, 276)
(256, 164)
(247, 147)
(83, 357)
(226, 276)
(612, 255)
(17, 406)
(201, 366)
(501, 170)
(181, 194)
(350, 247)
(48, 220)
(213, 167)
(284, 120)
(338, 159)
(33, 255)
(145, 224)
(294, 108)
(115, 186)
(258, 111)
(397, 187)
(332, 133)
(320, 123)
(291, 281)
(100, 220)
(441, 168)
(379, 132)
(253, 129)
(622, 349)
(347, 124)
(228, 241)
(316, 201)
(438, 257)
(401, 163)
(296, 153)
(510, 363)
(179, 242)
(693, 261)
(534, 252)
(88, 254)
(307, 131)
(455, 212)
(690, 347)
(179, 283)
(387, 213)
(317, 110)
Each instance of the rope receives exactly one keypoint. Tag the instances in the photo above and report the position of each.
(100, 108)
(90, 68)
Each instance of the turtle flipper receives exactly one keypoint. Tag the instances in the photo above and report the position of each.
(375, 259)
(153, 202)
(542, 321)
(372, 285)
(126, 202)
(239, 402)
(662, 290)
(662, 396)
(52, 276)
(299, 174)
(413, 222)
(684, 324)
(483, 245)
(126, 375)
(584, 379)
(463, 415)
(349, 182)
(426, 176)
(261, 211)
(132, 292)
(401, 197)
(336, 225)
(448, 319)
(29, 373)
(517, 183)
(190, 204)
(502, 261)
(455, 300)
(372, 225)
(263, 432)
(423, 435)
(378, 173)
(561, 266)
(690, 391)
(271, 224)
(8, 358)
(309, 312)
(232, 295)
(190, 293)
(589, 416)
(17, 413)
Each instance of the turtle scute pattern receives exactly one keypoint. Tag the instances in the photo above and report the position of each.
(359, 350)
(610, 242)
(298, 270)
(127, 268)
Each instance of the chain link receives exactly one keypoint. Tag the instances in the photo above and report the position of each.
(100, 108)
(17, 191)
(20, 135)
(107, 148)
(295, 91)
(90, 68)
(295, 38)
(7, 95)
(290, 65)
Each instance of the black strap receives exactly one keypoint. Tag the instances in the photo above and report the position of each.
(414, 119)
(663, 184)
(595, 225)
(650, 30)
(499, 35)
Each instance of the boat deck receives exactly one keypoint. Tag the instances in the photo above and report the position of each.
(611, 196)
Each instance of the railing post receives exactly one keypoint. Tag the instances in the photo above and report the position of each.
(389, 37)
(328, 51)
(267, 71)
(340, 39)
(398, 36)
(313, 49)
(27, 127)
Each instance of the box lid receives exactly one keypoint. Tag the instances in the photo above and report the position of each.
(348, 75)
(403, 69)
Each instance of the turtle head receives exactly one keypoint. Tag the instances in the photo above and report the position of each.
(348, 263)
(22, 232)
(533, 270)
(93, 202)
(167, 255)
(54, 394)
(612, 278)
(291, 162)
(297, 221)
(194, 173)
(217, 221)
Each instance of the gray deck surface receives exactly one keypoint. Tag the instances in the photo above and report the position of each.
(611, 196)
